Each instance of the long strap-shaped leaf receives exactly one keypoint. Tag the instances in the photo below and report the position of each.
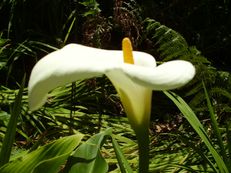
(11, 127)
(123, 163)
(198, 127)
(215, 125)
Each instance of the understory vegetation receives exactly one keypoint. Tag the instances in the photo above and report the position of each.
(190, 129)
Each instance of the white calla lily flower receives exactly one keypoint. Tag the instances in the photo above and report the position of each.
(134, 75)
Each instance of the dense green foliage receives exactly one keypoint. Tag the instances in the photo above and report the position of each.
(205, 24)
(167, 30)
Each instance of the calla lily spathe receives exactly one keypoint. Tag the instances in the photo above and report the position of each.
(133, 82)
(134, 75)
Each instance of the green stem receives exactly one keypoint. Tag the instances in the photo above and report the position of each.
(143, 144)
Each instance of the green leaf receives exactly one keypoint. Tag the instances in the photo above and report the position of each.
(51, 165)
(11, 128)
(215, 123)
(123, 163)
(198, 127)
(228, 131)
(87, 158)
(45, 158)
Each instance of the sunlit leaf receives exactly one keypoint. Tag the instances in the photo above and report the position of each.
(123, 163)
(87, 158)
(198, 127)
(11, 127)
(44, 158)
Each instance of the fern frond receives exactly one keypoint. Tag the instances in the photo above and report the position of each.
(221, 92)
(170, 44)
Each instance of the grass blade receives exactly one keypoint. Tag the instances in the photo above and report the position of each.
(228, 132)
(215, 124)
(123, 163)
(198, 127)
(11, 127)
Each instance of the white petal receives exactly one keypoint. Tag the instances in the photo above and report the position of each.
(72, 63)
(136, 99)
(170, 75)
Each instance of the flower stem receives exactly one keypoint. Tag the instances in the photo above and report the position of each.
(143, 144)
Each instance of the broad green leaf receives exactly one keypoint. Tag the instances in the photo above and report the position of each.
(87, 157)
(51, 165)
(95, 165)
(44, 158)
(198, 127)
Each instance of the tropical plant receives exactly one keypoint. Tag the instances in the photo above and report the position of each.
(91, 106)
